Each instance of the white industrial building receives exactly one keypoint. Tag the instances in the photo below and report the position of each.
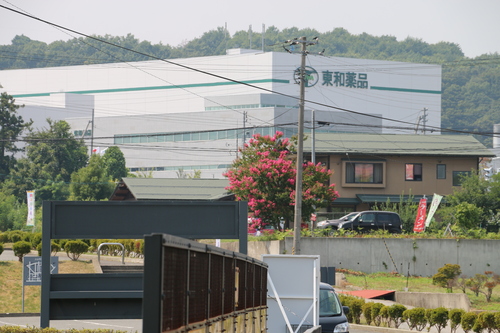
(193, 113)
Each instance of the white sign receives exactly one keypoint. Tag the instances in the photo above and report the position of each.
(31, 208)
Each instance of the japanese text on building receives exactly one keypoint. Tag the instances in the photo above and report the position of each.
(347, 79)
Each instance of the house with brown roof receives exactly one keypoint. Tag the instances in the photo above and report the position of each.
(374, 168)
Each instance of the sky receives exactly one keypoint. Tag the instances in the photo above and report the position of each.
(473, 25)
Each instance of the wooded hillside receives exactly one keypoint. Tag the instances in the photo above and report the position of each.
(471, 86)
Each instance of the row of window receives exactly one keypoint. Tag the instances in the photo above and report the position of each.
(372, 173)
(248, 106)
(184, 168)
(201, 136)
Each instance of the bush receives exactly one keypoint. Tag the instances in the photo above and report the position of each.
(54, 248)
(4, 237)
(438, 318)
(1, 248)
(485, 321)
(455, 316)
(367, 312)
(15, 236)
(384, 314)
(377, 319)
(75, 248)
(356, 308)
(36, 239)
(415, 318)
(395, 312)
(21, 248)
(468, 321)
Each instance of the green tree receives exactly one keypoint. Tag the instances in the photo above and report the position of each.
(52, 155)
(264, 175)
(12, 213)
(11, 127)
(91, 182)
(114, 163)
(446, 276)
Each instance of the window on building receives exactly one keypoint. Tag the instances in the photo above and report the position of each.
(364, 173)
(413, 172)
(441, 171)
(457, 177)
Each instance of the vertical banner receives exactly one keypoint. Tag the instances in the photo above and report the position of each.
(436, 200)
(420, 220)
(31, 208)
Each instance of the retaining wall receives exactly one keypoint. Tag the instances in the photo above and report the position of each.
(419, 257)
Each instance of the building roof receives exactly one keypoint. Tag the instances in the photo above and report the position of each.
(171, 189)
(399, 144)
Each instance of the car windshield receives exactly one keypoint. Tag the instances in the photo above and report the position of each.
(349, 217)
(329, 304)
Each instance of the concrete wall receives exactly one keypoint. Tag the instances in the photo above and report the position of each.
(422, 257)
(434, 300)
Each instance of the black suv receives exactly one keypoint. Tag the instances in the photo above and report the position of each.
(366, 221)
(332, 315)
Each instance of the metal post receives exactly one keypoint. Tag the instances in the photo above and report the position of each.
(300, 149)
(92, 135)
(313, 140)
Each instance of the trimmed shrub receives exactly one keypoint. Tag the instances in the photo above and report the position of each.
(75, 248)
(36, 239)
(15, 236)
(455, 316)
(356, 308)
(4, 237)
(395, 312)
(485, 321)
(367, 312)
(468, 321)
(21, 248)
(438, 318)
(1, 248)
(415, 318)
(376, 318)
(384, 314)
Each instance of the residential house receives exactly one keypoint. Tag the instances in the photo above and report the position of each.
(374, 168)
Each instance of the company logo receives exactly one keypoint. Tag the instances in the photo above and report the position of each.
(311, 77)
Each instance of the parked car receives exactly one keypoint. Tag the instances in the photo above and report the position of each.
(332, 315)
(369, 220)
(329, 223)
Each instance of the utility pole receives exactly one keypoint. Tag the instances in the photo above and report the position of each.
(300, 145)
(313, 134)
(92, 135)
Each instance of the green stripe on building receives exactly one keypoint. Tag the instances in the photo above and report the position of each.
(421, 91)
(182, 86)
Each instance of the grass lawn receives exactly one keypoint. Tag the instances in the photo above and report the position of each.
(11, 285)
(385, 281)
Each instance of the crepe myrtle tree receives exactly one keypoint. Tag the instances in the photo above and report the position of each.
(265, 174)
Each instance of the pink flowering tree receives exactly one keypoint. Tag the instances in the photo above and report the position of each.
(264, 175)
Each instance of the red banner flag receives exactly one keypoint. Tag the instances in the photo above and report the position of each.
(421, 214)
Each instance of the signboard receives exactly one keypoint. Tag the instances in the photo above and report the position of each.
(32, 270)
(421, 213)
(31, 208)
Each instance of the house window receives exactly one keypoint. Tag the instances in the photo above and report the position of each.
(441, 171)
(364, 173)
(413, 172)
(457, 177)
